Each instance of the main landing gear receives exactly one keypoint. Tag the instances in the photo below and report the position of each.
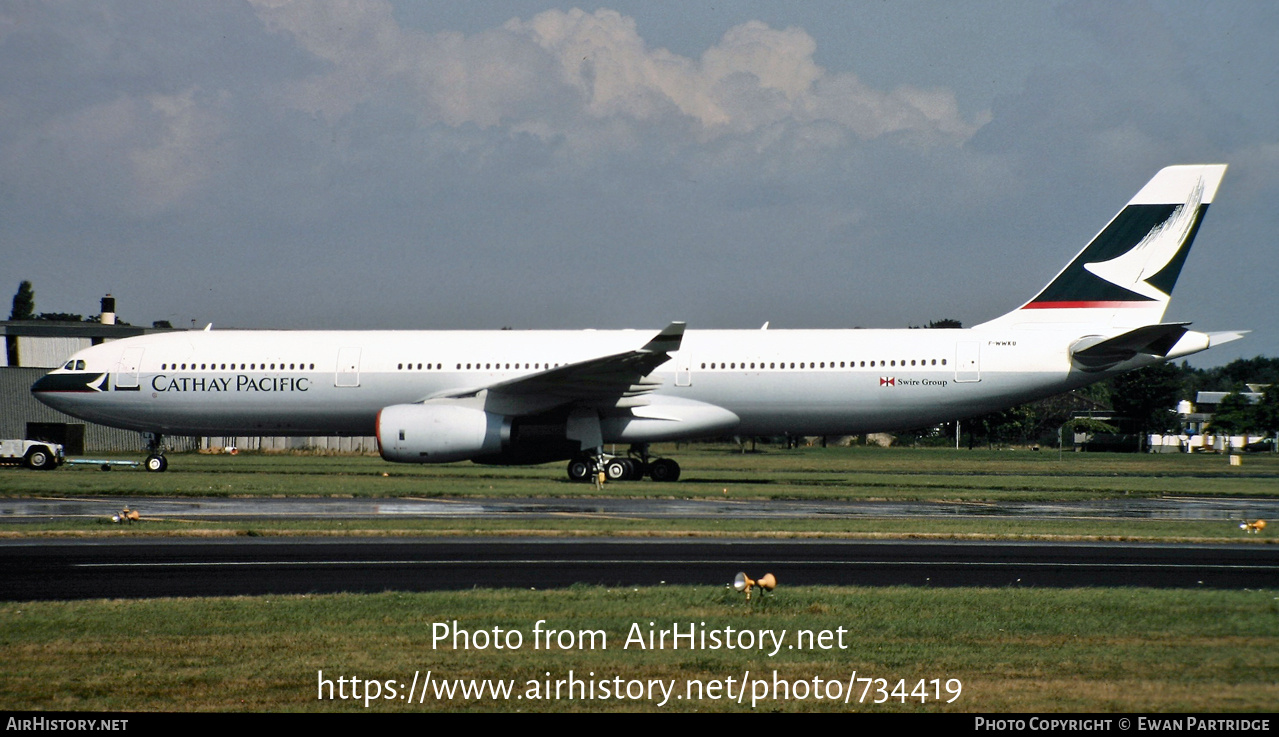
(633, 467)
(155, 462)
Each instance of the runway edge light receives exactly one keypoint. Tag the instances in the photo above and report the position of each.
(742, 582)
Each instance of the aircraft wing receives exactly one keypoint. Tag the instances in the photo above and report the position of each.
(608, 380)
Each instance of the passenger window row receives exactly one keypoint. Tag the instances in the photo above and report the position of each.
(776, 365)
(490, 366)
(477, 366)
(232, 367)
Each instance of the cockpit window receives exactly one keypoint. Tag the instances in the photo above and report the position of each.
(70, 365)
(79, 365)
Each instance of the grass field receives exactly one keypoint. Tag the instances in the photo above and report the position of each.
(1131, 650)
(804, 473)
(1013, 650)
(1137, 530)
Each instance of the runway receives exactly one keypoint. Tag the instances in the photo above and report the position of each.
(256, 566)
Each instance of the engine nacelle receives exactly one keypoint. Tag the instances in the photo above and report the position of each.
(440, 433)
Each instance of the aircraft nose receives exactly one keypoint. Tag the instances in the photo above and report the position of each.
(43, 384)
(51, 384)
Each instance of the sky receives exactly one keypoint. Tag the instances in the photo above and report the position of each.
(535, 165)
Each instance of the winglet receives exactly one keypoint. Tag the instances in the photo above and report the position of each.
(667, 341)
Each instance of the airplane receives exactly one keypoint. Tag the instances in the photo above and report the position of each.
(529, 397)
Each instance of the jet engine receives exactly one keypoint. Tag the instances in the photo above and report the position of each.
(440, 433)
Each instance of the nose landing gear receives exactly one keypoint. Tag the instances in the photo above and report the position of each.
(156, 462)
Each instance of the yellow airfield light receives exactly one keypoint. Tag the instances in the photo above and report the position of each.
(742, 582)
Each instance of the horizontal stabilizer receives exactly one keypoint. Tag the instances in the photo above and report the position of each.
(1226, 336)
(1097, 352)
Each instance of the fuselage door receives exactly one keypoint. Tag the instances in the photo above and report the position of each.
(348, 373)
(683, 369)
(967, 361)
(126, 369)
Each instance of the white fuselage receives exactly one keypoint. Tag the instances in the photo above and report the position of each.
(774, 381)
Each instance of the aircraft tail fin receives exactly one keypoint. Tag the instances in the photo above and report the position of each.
(1124, 277)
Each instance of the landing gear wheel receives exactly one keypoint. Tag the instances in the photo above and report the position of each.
(579, 469)
(39, 459)
(156, 463)
(618, 469)
(636, 469)
(664, 469)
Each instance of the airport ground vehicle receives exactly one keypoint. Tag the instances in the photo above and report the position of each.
(35, 454)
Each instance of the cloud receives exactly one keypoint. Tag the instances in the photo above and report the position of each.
(577, 75)
(135, 111)
(561, 169)
(136, 154)
(184, 153)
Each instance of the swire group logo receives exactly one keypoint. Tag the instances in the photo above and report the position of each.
(887, 381)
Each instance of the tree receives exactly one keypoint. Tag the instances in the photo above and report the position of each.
(943, 323)
(1148, 397)
(1090, 426)
(1232, 376)
(24, 303)
(1235, 415)
(1267, 410)
(60, 317)
(1011, 425)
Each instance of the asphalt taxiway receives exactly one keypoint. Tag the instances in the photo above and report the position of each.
(56, 569)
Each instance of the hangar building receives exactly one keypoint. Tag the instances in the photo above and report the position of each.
(33, 347)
